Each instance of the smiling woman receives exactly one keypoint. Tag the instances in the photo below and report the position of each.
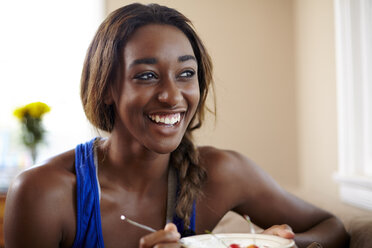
(159, 80)
(145, 81)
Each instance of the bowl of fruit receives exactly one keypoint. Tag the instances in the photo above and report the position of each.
(237, 240)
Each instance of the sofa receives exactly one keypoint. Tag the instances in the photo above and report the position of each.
(358, 222)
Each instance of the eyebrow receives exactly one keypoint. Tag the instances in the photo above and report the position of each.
(152, 61)
(147, 61)
(186, 57)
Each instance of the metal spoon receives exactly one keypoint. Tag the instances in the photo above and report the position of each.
(246, 217)
(123, 217)
(147, 228)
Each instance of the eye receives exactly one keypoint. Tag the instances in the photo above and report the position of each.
(146, 76)
(187, 74)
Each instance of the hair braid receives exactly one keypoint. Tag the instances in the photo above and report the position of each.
(191, 175)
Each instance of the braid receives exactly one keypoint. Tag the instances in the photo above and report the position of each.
(191, 175)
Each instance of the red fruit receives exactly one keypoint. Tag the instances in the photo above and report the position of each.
(234, 246)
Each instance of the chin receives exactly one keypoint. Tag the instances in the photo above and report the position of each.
(165, 148)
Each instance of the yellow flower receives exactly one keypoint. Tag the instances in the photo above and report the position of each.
(35, 110)
(38, 109)
(19, 113)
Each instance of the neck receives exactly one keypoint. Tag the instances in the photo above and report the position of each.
(133, 165)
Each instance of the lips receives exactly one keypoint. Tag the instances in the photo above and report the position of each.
(166, 119)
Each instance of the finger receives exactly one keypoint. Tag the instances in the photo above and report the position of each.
(159, 237)
(170, 227)
(283, 231)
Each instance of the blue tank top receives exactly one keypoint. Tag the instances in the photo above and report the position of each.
(88, 220)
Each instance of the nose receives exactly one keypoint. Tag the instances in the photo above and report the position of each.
(169, 93)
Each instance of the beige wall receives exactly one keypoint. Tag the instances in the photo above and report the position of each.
(316, 93)
(275, 84)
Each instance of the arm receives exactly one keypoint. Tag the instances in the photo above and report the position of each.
(308, 237)
(329, 232)
(310, 224)
(268, 204)
(33, 211)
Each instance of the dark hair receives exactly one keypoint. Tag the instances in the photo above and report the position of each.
(102, 68)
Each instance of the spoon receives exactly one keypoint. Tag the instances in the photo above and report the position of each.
(246, 217)
(147, 228)
(123, 217)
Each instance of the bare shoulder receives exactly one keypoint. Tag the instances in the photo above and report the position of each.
(247, 189)
(233, 181)
(224, 164)
(39, 202)
(50, 177)
(236, 175)
(211, 156)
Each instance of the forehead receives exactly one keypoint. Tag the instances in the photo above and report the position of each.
(157, 41)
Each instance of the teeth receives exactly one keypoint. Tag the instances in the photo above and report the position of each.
(168, 120)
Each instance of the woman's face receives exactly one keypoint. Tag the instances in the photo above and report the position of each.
(159, 91)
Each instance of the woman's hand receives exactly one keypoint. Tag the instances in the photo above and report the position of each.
(283, 231)
(166, 238)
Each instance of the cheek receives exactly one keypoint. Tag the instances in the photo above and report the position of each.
(194, 96)
(129, 104)
(133, 97)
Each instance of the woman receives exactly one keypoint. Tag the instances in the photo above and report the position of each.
(145, 80)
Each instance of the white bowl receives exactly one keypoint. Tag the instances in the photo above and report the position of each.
(242, 239)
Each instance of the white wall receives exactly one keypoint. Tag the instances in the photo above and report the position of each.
(42, 49)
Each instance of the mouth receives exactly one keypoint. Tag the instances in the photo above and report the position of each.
(166, 119)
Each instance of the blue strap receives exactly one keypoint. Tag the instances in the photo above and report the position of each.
(88, 228)
(179, 222)
(180, 225)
